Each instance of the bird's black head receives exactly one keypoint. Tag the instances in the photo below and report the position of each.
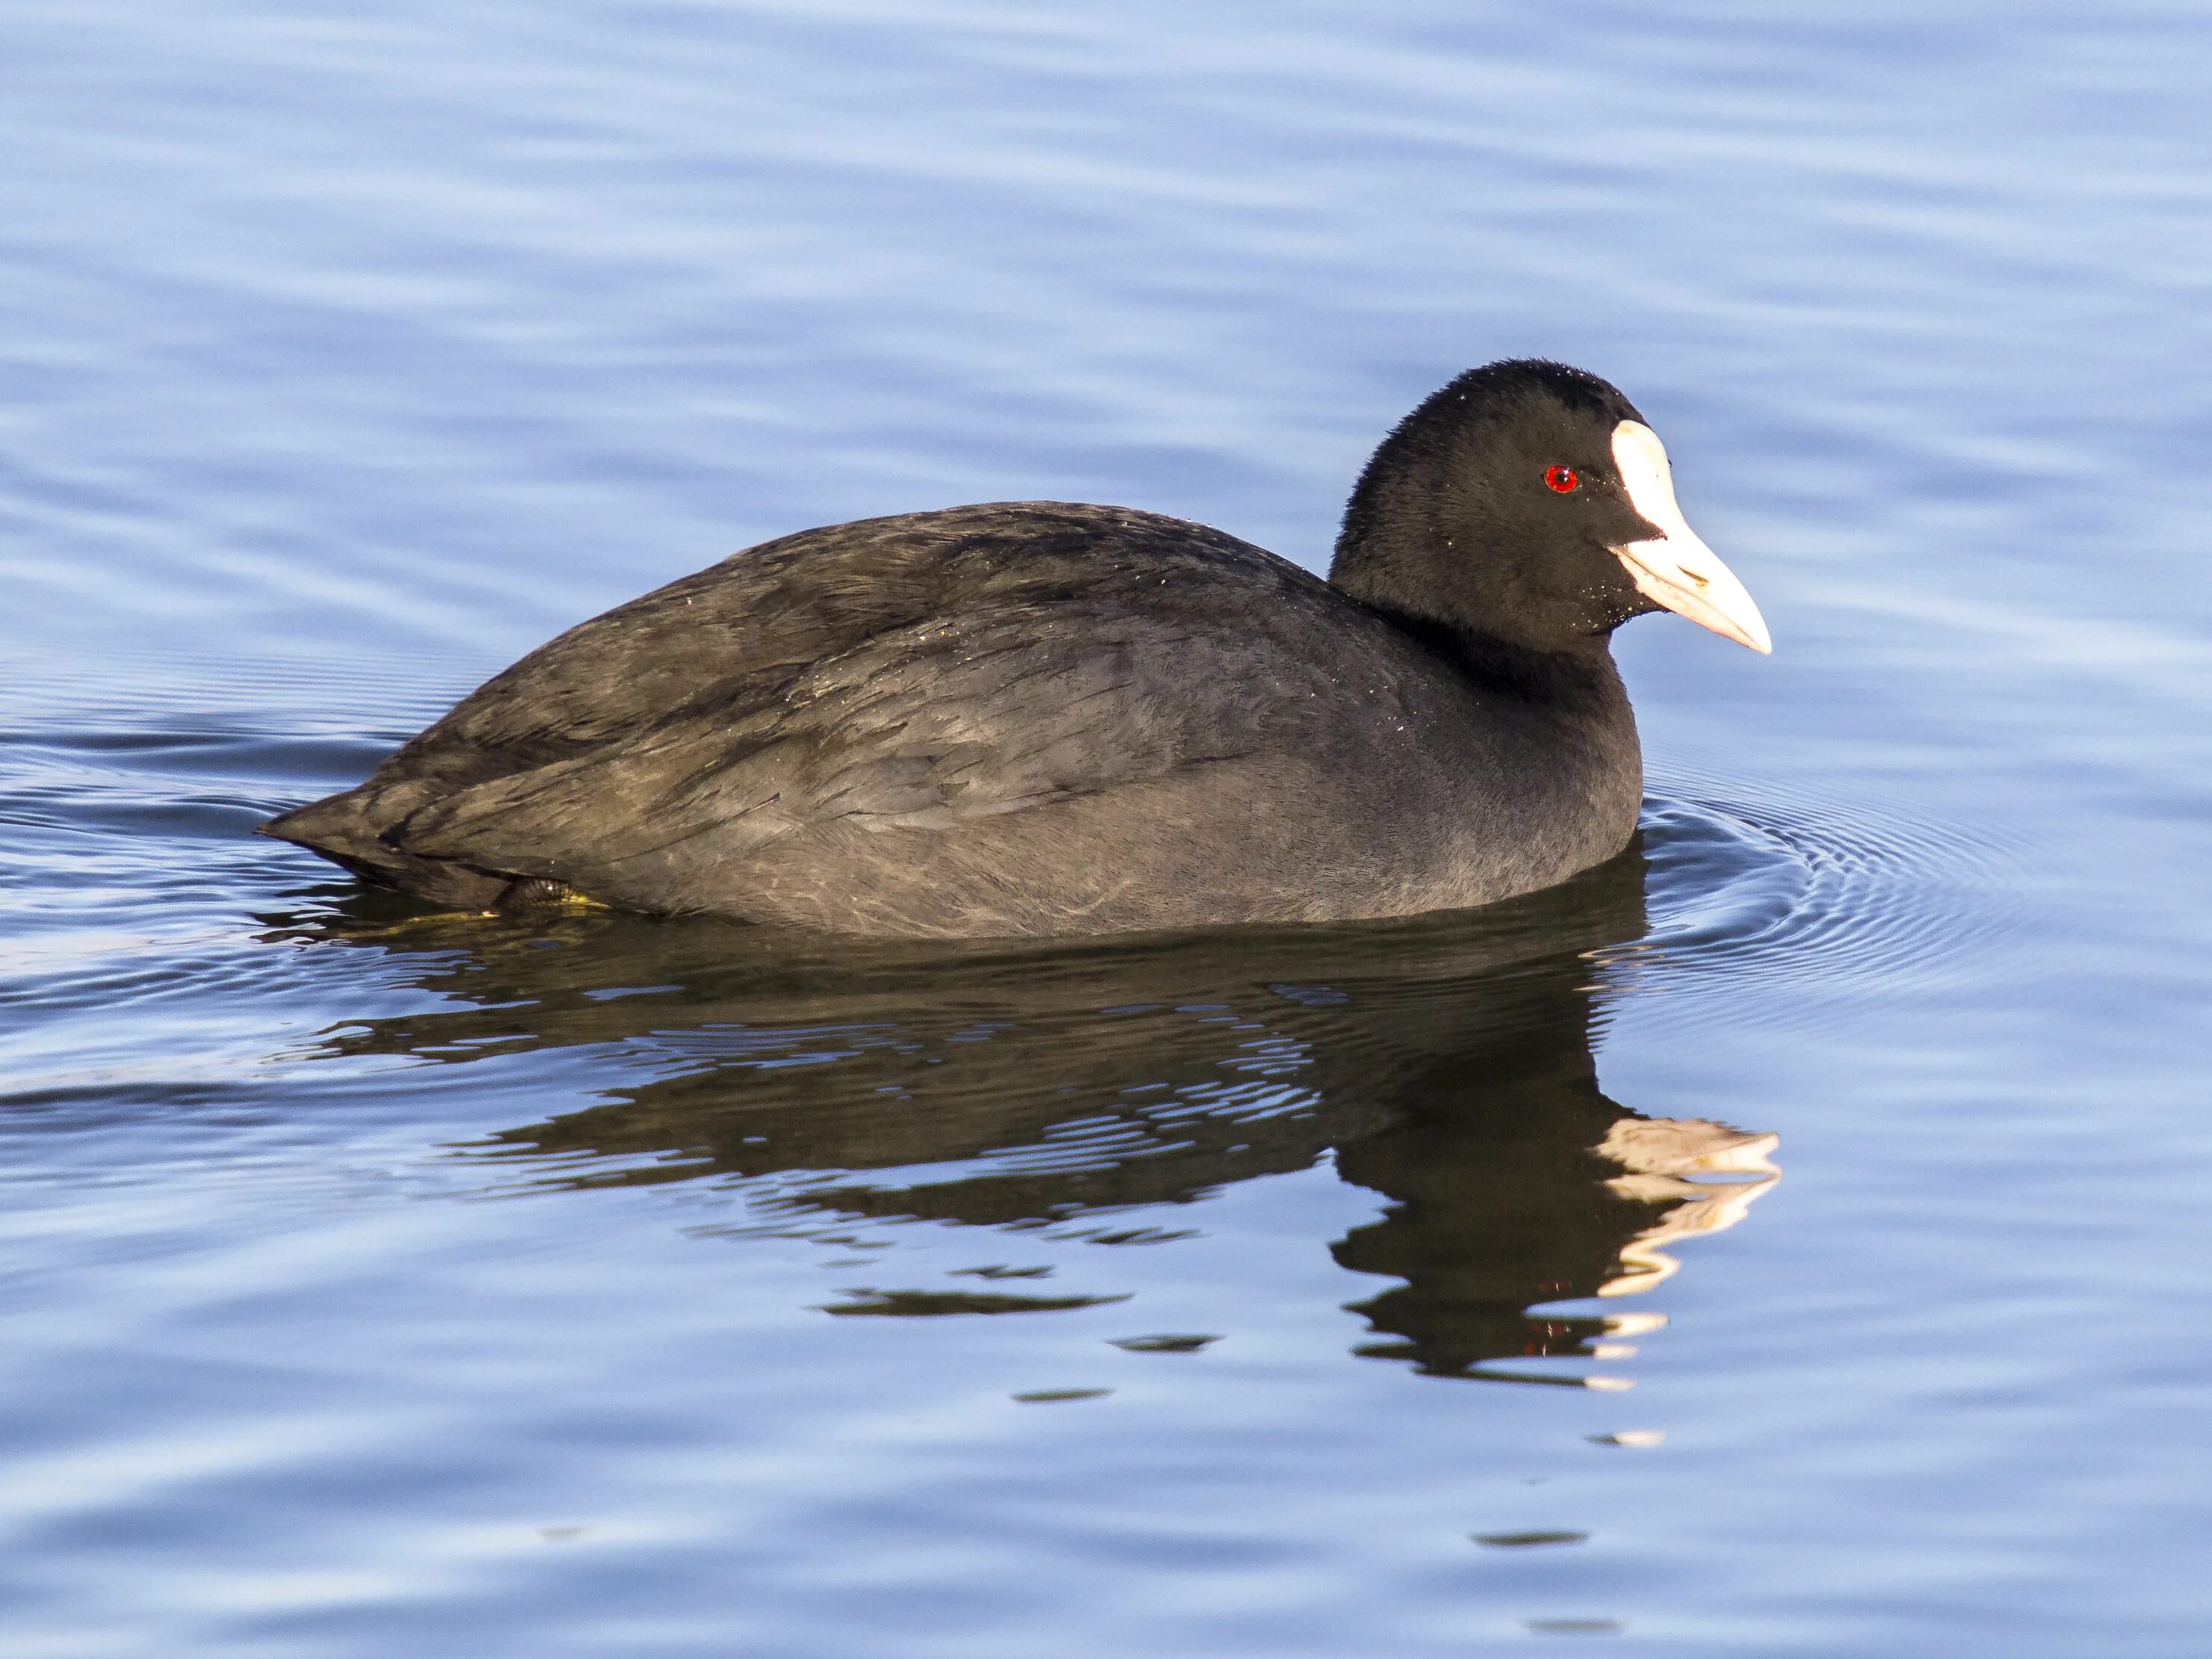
(1528, 506)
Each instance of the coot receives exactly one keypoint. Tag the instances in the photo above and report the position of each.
(1038, 718)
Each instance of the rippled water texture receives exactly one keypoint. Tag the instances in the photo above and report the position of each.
(1789, 1239)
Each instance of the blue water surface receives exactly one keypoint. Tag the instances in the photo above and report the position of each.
(1790, 1240)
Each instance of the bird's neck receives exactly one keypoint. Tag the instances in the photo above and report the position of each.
(1579, 675)
(1575, 674)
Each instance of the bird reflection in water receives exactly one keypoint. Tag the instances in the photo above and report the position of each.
(1445, 1063)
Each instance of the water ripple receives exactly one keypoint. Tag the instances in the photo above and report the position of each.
(1806, 893)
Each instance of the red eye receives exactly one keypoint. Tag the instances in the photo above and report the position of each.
(1564, 479)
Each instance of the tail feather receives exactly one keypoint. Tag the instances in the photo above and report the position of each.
(350, 830)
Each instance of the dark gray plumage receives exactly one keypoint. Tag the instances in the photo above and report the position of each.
(1034, 718)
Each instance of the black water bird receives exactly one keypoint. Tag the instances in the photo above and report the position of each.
(1037, 717)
